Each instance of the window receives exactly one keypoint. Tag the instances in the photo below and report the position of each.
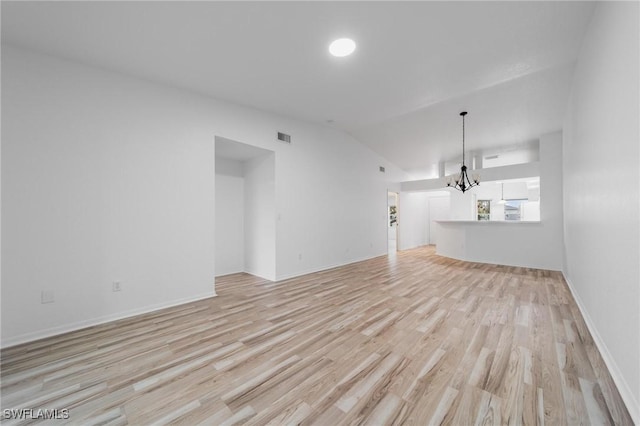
(484, 209)
(513, 209)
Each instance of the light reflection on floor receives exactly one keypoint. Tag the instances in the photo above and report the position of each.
(393, 247)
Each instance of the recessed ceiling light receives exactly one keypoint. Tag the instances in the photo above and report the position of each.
(342, 47)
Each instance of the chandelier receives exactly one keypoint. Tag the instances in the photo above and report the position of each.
(462, 181)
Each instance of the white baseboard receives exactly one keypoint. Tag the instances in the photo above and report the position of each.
(324, 268)
(259, 275)
(618, 378)
(308, 271)
(54, 331)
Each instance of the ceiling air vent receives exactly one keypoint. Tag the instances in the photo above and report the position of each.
(284, 137)
(491, 157)
(382, 169)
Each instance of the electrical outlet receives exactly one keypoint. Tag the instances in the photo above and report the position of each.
(116, 286)
(47, 296)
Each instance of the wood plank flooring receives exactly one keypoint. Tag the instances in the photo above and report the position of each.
(407, 339)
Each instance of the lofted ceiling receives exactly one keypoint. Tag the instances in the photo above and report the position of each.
(416, 66)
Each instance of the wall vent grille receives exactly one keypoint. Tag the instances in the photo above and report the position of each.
(284, 137)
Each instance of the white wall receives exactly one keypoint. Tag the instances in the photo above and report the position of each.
(551, 190)
(531, 211)
(332, 203)
(493, 241)
(516, 171)
(260, 217)
(229, 221)
(463, 205)
(439, 207)
(601, 201)
(496, 242)
(107, 177)
(229, 167)
(520, 155)
(416, 210)
(104, 179)
(413, 219)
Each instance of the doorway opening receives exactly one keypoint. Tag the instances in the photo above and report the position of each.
(245, 228)
(392, 222)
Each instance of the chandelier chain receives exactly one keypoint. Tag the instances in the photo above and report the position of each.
(463, 140)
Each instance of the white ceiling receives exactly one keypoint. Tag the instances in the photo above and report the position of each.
(416, 66)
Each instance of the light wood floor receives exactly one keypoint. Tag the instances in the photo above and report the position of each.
(410, 339)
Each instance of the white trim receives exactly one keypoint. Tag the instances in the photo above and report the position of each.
(261, 275)
(326, 267)
(54, 331)
(309, 271)
(618, 378)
